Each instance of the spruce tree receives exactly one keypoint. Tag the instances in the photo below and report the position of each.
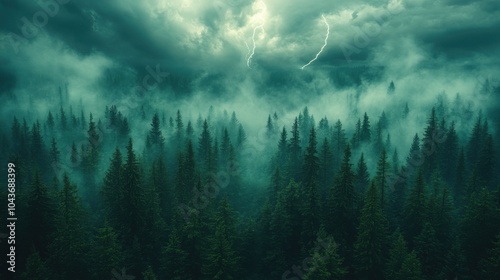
(362, 176)
(430, 148)
(295, 152)
(205, 146)
(70, 245)
(449, 154)
(365, 135)
(113, 192)
(480, 224)
(36, 268)
(339, 142)
(174, 258)
(342, 207)
(149, 274)
(415, 210)
(50, 121)
(222, 259)
(491, 265)
(369, 249)
(411, 269)
(397, 255)
(41, 207)
(325, 167)
(428, 249)
(107, 249)
(325, 264)
(382, 176)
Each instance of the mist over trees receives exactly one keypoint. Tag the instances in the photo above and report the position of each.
(174, 194)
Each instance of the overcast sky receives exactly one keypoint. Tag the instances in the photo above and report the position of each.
(207, 44)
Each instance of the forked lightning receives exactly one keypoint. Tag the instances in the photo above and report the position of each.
(324, 45)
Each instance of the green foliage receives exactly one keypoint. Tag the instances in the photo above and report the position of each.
(411, 268)
(36, 268)
(369, 249)
(325, 264)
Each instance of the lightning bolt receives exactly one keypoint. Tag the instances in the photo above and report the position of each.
(324, 45)
(261, 26)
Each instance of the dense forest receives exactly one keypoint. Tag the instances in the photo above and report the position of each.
(101, 196)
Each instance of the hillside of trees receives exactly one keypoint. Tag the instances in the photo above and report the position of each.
(99, 196)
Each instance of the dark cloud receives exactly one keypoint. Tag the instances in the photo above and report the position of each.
(204, 44)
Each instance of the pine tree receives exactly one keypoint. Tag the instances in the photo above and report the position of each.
(295, 152)
(222, 259)
(475, 142)
(391, 89)
(356, 137)
(310, 214)
(63, 120)
(108, 251)
(179, 129)
(132, 195)
(362, 175)
(486, 163)
(491, 265)
(282, 154)
(159, 181)
(224, 149)
(342, 206)
(149, 274)
(455, 266)
(242, 137)
(430, 148)
(40, 216)
(339, 142)
(449, 154)
(383, 121)
(156, 139)
(414, 212)
(480, 224)
(397, 255)
(205, 146)
(37, 145)
(152, 224)
(406, 111)
(54, 152)
(369, 252)
(112, 190)
(325, 264)
(411, 269)
(276, 186)
(325, 167)
(50, 121)
(311, 160)
(189, 130)
(174, 258)
(378, 142)
(396, 202)
(36, 268)
(381, 178)
(70, 245)
(459, 178)
(414, 159)
(365, 135)
(92, 153)
(124, 129)
(429, 250)
(269, 128)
